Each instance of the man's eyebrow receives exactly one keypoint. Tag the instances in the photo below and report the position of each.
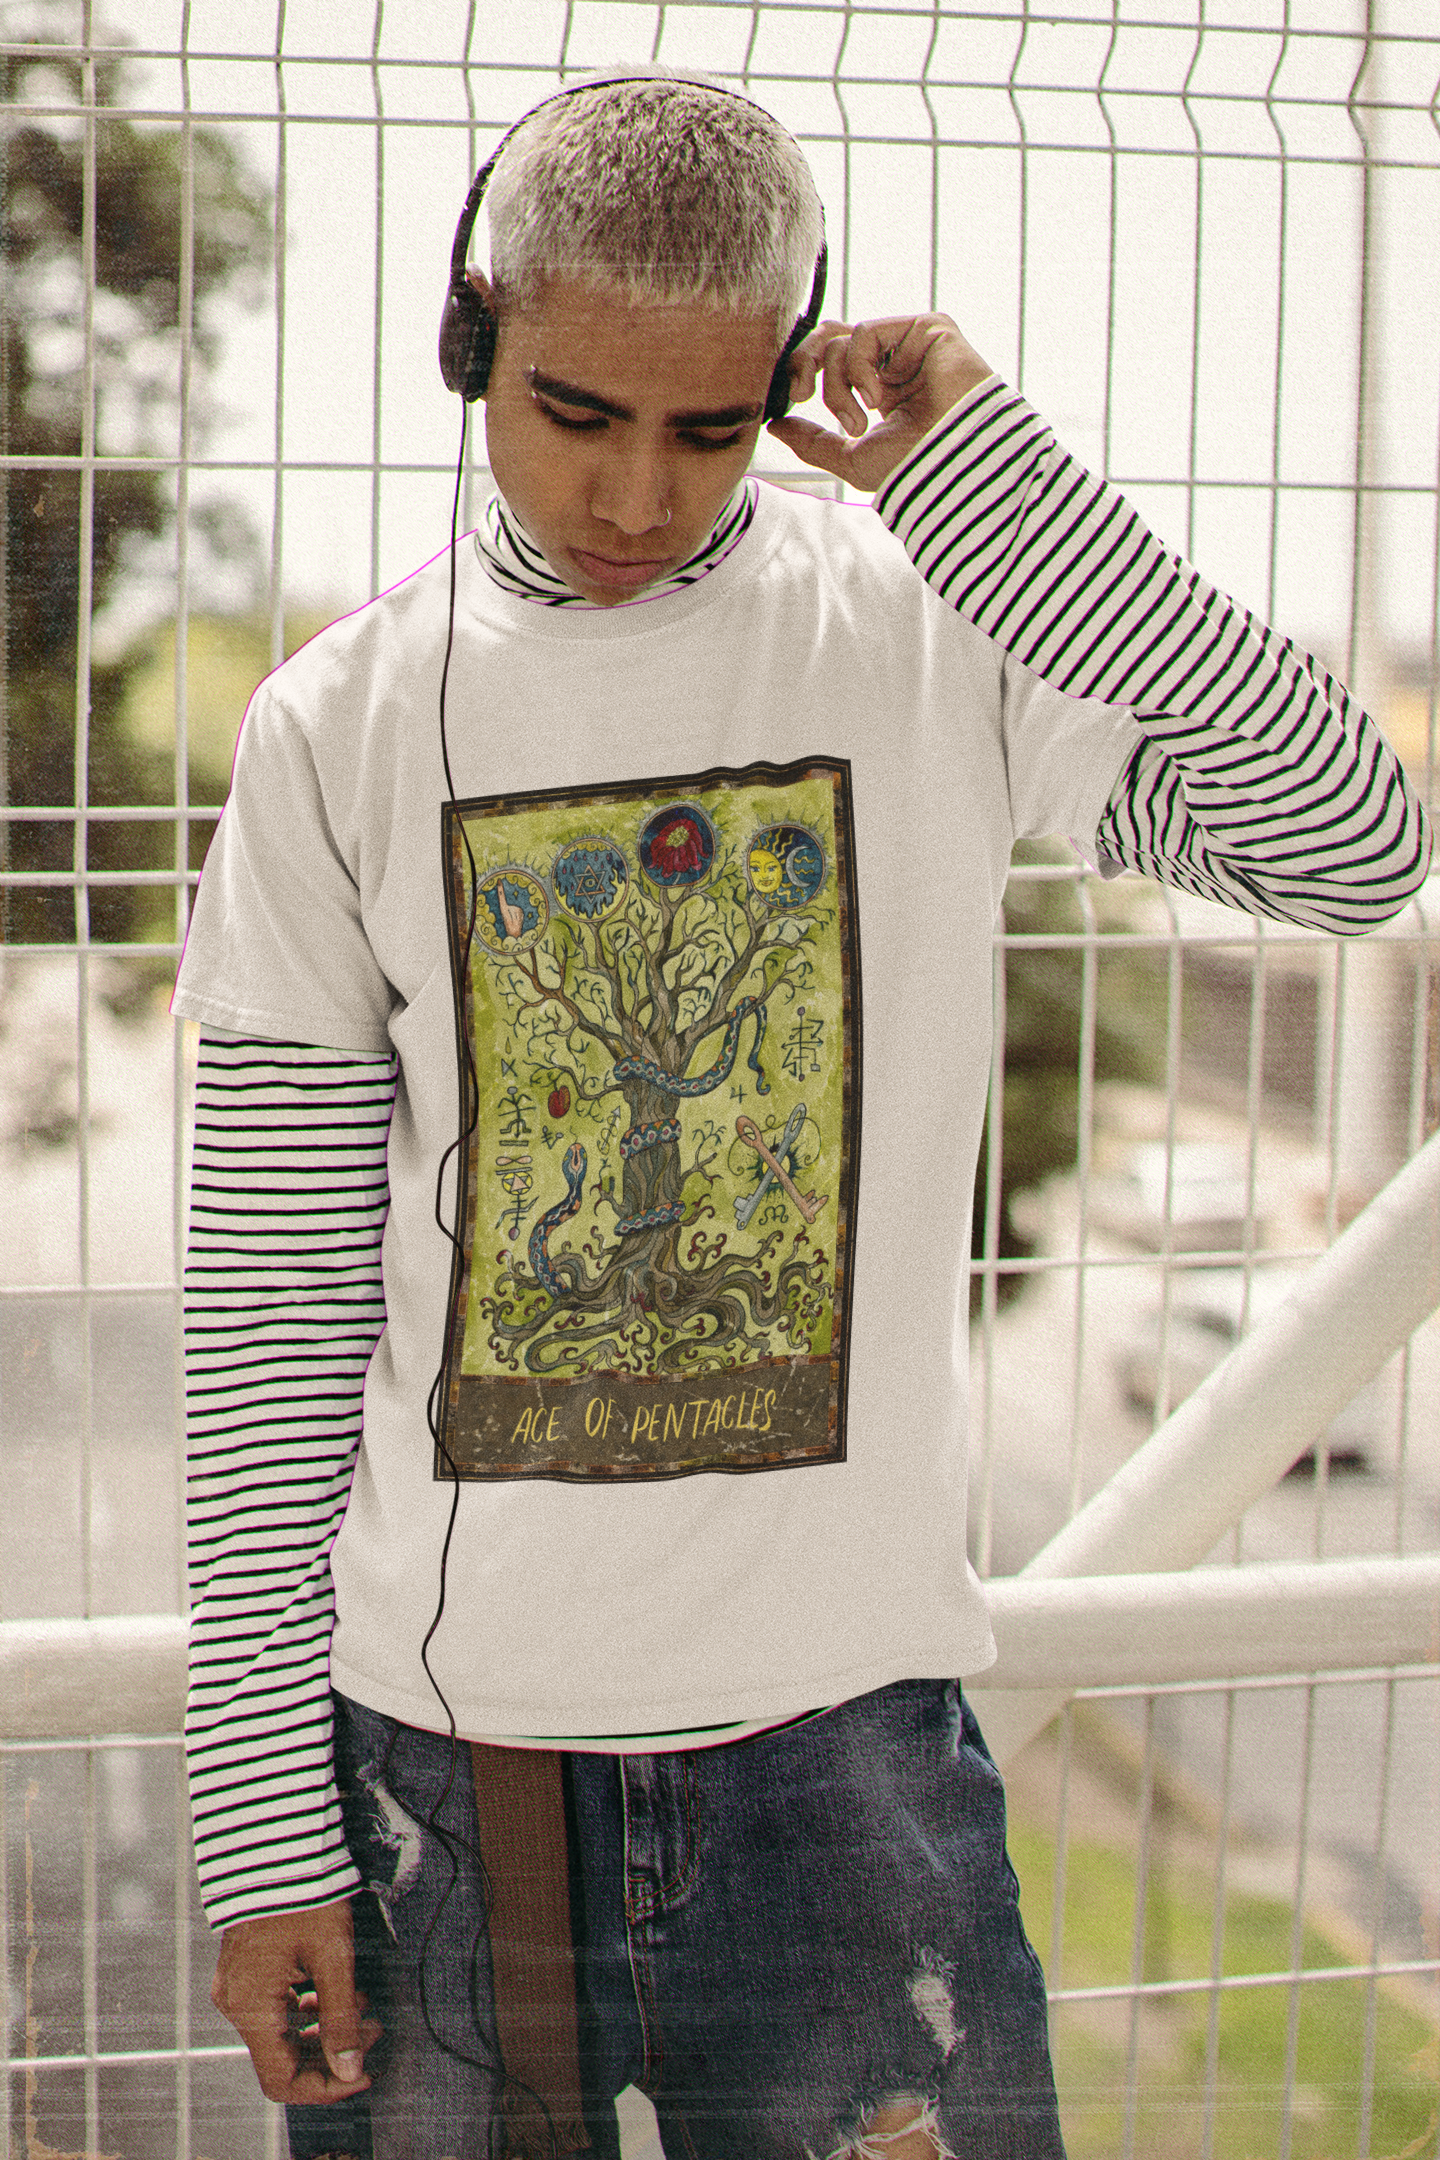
(570, 394)
(724, 416)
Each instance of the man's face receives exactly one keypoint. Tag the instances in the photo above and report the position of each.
(617, 431)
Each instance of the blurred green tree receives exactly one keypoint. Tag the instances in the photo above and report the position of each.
(134, 317)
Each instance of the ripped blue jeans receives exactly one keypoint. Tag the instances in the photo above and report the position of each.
(778, 1941)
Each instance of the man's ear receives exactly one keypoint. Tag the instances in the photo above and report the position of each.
(479, 283)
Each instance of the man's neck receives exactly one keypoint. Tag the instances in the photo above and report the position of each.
(516, 562)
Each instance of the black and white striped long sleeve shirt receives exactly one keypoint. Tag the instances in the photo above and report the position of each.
(1260, 782)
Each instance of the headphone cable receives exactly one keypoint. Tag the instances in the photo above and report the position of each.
(434, 1417)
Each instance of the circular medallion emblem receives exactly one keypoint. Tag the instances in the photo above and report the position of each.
(677, 845)
(590, 877)
(511, 911)
(785, 865)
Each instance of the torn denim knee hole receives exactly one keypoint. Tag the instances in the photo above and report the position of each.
(933, 1997)
(880, 2134)
(886, 2124)
(397, 1840)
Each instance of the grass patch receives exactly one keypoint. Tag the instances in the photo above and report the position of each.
(1091, 2040)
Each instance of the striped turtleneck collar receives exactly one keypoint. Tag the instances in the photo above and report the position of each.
(516, 564)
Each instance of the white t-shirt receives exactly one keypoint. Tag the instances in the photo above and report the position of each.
(869, 757)
(808, 742)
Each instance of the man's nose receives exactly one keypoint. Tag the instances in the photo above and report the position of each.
(630, 490)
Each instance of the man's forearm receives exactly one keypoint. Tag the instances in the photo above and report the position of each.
(1261, 783)
(284, 1306)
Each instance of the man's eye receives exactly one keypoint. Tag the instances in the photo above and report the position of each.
(711, 442)
(585, 426)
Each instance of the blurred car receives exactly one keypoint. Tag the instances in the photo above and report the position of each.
(1209, 1197)
(1206, 1305)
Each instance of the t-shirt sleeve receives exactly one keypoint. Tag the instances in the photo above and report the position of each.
(277, 945)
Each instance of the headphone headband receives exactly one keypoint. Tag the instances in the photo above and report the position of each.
(468, 327)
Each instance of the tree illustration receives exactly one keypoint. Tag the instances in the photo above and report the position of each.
(662, 1001)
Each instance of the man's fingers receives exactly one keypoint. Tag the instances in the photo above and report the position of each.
(332, 1970)
(312, 2085)
(287, 1985)
(860, 365)
(808, 356)
(838, 383)
(290, 2061)
(909, 370)
(862, 461)
(815, 444)
(265, 2028)
(902, 345)
(877, 360)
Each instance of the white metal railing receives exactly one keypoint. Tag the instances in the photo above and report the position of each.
(1054, 1635)
(1230, 1441)
(62, 1678)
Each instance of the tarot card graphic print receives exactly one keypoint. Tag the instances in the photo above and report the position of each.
(658, 1011)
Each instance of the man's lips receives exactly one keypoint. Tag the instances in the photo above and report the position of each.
(605, 570)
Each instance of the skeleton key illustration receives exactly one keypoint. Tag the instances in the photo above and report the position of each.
(807, 1203)
(747, 1203)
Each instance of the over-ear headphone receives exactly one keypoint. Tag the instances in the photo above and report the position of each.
(468, 326)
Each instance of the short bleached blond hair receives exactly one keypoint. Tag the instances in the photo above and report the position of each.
(661, 188)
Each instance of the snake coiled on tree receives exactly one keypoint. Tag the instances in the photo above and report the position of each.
(638, 1068)
(574, 1167)
(639, 1137)
(647, 1136)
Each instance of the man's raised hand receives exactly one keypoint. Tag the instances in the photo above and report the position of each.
(908, 369)
(287, 1985)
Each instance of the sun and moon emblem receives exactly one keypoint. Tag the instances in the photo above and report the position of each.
(677, 845)
(785, 865)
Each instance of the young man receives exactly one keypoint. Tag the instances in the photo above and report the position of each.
(686, 746)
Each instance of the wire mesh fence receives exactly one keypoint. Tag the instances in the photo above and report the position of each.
(1201, 238)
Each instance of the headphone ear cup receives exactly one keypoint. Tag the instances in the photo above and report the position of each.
(467, 342)
(777, 397)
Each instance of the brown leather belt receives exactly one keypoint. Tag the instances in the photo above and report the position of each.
(520, 1817)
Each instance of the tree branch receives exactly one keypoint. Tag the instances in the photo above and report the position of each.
(546, 996)
(586, 1089)
(716, 1014)
(602, 966)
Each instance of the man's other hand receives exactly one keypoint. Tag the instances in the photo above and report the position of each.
(287, 1985)
(908, 369)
